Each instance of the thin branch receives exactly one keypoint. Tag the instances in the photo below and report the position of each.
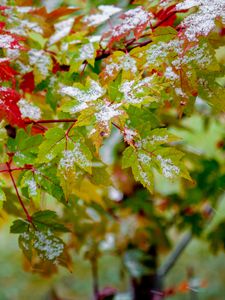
(29, 218)
(16, 169)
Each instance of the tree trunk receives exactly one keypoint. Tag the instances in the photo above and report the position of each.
(148, 287)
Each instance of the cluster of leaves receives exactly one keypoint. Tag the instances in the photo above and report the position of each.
(69, 83)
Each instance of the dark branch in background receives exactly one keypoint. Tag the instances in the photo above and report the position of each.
(94, 268)
(176, 253)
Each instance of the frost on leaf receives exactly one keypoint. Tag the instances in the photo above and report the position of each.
(106, 11)
(134, 20)
(202, 22)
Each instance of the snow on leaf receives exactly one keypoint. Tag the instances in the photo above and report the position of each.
(158, 136)
(137, 92)
(29, 110)
(169, 170)
(82, 94)
(10, 41)
(80, 155)
(106, 11)
(115, 63)
(48, 246)
(134, 20)
(41, 62)
(86, 52)
(107, 111)
(62, 29)
(201, 22)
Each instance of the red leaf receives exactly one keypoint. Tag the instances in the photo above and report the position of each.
(8, 107)
(6, 72)
(166, 16)
(27, 84)
(134, 20)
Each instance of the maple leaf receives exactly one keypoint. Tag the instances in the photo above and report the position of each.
(134, 20)
(9, 109)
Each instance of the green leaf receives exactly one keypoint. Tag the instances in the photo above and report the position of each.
(48, 219)
(19, 226)
(129, 157)
(25, 147)
(140, 162)
(29, 181)
(2, 197)
(52, 146)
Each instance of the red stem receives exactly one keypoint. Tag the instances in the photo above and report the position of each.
(29, 218)
(51, 121)
(16, 169)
